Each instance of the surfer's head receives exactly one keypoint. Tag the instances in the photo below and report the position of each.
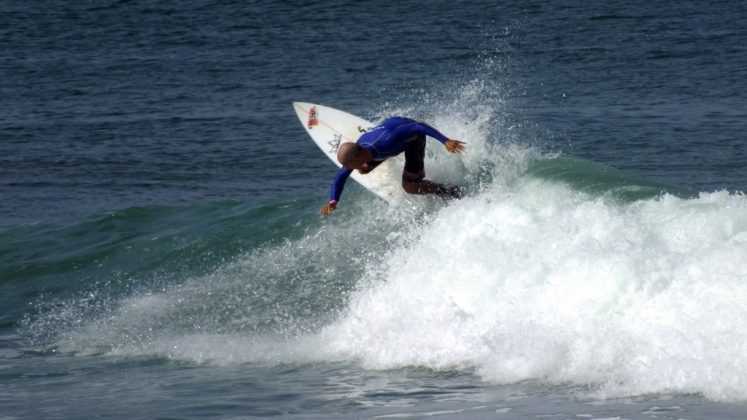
(352, 156)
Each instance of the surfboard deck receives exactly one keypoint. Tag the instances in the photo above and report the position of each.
(330, 127)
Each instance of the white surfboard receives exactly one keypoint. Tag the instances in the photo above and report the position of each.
(330, 127)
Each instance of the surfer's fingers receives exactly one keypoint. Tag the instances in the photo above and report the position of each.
(455, 146)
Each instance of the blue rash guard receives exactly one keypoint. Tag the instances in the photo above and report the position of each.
(392, 137)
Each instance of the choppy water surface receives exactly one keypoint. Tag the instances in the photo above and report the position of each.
(161, 254)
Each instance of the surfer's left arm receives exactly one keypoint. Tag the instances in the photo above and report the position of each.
(337, 185)
(453, 146)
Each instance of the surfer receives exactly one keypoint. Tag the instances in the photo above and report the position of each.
(392, 137)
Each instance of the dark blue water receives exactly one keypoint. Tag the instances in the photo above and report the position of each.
(161, 252)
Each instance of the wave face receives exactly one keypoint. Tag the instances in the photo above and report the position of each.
(565, 271)
(552, 269)
(542, 282)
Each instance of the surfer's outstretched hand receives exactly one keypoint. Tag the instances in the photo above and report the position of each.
(329, 208)
(454, 146)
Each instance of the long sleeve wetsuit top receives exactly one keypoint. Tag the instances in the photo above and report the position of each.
(388, 139)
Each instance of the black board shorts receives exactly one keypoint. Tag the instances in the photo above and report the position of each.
(415, 161)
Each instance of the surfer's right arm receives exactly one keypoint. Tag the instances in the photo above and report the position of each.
(337, 186)
(453, 146)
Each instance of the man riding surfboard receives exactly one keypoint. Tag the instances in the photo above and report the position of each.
(388, 139)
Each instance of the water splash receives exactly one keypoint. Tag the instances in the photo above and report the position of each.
(530, 277)
(543, 282)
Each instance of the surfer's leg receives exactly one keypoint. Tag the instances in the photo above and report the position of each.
(425, 186)
(413, 177)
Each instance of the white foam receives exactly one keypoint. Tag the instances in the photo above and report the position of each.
(530, 279)
(542, 282)
(525, 279)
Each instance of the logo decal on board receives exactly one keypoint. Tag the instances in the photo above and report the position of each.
(335, 143)
(313, 117)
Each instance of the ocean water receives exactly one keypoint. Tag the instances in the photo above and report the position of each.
(162, 255)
